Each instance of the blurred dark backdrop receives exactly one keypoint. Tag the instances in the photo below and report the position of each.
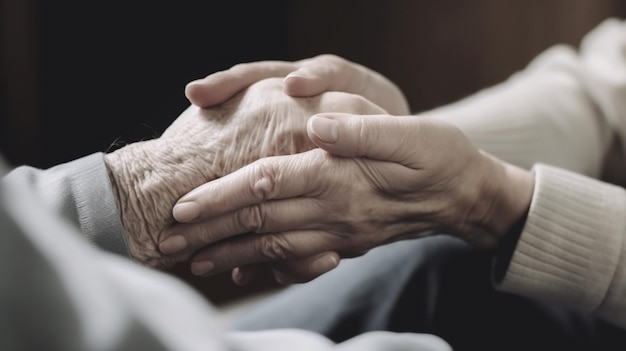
(80, 75)
(83, 76)
(77, 76)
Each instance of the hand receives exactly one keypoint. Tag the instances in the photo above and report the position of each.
(376, 179)
(303, 78)
(202, 145)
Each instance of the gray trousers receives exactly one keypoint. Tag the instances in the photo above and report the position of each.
(438, 285)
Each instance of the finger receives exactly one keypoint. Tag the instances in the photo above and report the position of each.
(289, 272)
(243, 275)
(270, 178)
(333, 73)
(306, 269)
(271, 216)
(324, 73)
(384, 138)
(259, 248)
(220, 86)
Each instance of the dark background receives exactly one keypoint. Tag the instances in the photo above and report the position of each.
(85, 76)
(81, 76)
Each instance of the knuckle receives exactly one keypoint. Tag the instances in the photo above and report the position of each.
(205, 236)
(264, 181)
(342, 66)
(239, 67)
(333, 60)
(274, 247)
(250, 219)
(331, 65)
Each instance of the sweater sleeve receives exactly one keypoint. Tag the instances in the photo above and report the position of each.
(79, 191)
(560, 117)
(572, 249)
(565, 109)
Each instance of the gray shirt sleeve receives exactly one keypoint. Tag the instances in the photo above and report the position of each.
(60, 293)
(79, 191)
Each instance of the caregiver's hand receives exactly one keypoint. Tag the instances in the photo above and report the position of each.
(204, 144)
(304, 78)
(376, 179)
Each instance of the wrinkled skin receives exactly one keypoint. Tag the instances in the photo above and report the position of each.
(374, 179)
(205, 144)
(303, 78)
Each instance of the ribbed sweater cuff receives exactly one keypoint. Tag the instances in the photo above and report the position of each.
(98, 213)
(570, 245)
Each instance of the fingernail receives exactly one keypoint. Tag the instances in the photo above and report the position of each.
(281, 278)
(186, 211)
(240, 277)
(202, 267)
(325, 129)
(324, 264)
(173, 244)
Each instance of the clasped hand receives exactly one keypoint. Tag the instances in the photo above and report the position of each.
(373, 180)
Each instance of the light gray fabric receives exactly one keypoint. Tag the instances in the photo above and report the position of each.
(439, 285)
(79, 191)
(58, 292)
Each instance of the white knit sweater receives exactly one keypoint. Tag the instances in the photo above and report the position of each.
(564, 117)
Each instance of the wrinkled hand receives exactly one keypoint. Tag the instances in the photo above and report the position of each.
(376, 179)
(304, 78)
(202, 145)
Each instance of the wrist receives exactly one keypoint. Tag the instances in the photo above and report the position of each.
(508, 199)
(148, 178)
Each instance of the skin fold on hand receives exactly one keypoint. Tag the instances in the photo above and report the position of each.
(204, 144)
(375, 179)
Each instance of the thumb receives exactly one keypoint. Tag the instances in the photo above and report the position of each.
(324, 73)
(221, 86)
(379, 137)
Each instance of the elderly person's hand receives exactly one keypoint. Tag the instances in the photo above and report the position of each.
(303, 78)
(205, 144)
(376, 179)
